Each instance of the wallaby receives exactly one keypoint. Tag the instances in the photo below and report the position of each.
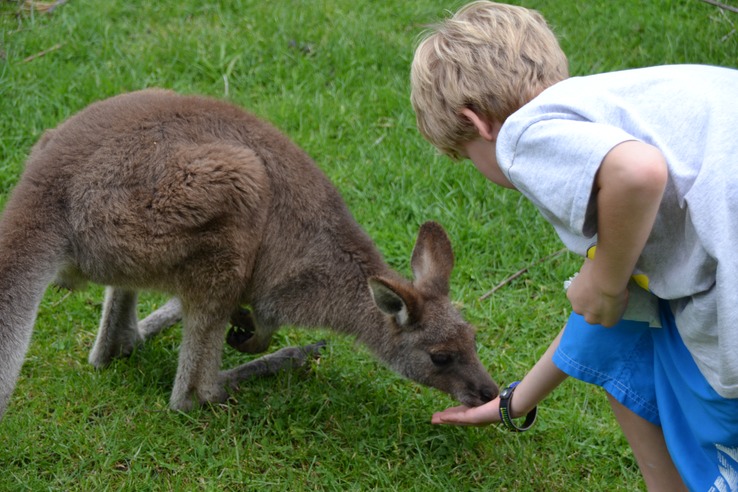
(198, 198)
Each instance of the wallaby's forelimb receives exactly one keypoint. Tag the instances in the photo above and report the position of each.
(267, 365)
(161, 319)
(120, 332)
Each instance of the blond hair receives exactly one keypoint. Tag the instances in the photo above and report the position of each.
(489, 57)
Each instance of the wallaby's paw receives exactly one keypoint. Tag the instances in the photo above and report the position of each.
(245, 342)
(98, 361)
(306, 352)
(242, 334)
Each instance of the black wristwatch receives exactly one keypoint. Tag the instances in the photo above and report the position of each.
(505, 414)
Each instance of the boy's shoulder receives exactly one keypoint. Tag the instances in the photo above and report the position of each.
(611, 96)
(649, 78)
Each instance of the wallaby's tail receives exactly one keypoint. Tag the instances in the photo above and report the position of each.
(29, 255)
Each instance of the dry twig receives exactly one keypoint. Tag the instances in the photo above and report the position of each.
(722, 6)
(42, 53)
(520, 272)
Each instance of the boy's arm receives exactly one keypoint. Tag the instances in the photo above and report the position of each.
(629, 187)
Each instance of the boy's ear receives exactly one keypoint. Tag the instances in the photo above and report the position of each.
(488, 130)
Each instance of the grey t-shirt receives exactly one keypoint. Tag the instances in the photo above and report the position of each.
(551, 150)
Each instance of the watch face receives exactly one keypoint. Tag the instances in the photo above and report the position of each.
(506, 393)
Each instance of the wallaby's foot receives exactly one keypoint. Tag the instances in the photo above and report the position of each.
(207, 388)
(187, 401)
(102, 354)
(267, 365)
(243, 334)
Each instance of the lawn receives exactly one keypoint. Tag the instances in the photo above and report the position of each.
(333, 75)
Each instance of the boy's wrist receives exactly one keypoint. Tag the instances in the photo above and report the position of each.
(608, 280)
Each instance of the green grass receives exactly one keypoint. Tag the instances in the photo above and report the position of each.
(333, 74)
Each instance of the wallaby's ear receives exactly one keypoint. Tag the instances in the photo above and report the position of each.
(395, 300)
(433, 259)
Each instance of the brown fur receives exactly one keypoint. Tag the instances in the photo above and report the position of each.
(199, 199)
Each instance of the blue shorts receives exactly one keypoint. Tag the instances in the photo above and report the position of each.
(650, 371)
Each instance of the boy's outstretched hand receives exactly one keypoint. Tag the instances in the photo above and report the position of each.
(462, 415)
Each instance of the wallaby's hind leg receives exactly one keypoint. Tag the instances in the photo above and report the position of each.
(118, 333)
(21, 290)
(30, 255)
(200, 356)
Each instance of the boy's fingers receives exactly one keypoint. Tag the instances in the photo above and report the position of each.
(463, 415)
(449, 416)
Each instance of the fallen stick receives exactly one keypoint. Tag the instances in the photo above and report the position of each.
(42, 53)
(520, 272)
(722, 5)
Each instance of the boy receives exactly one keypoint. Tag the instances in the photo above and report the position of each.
(644, 164)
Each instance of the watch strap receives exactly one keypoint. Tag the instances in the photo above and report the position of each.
(506, 414)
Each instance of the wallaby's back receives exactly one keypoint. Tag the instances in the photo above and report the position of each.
(134, 170)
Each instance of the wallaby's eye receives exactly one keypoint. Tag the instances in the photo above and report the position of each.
(441, 358)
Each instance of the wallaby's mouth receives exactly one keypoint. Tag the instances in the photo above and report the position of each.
(479, 396)
(483, 396)
(489, 394)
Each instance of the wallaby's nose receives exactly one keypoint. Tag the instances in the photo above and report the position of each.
(488, 394)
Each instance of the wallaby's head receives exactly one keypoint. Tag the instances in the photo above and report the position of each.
(429, 341)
